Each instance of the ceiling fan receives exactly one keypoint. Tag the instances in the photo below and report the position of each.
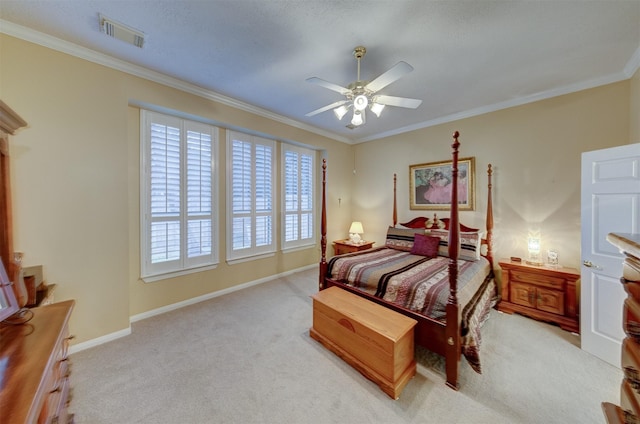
(362, 94)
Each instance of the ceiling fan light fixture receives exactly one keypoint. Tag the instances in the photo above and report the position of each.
(358, 118)
(340, 112)
(377, 108)
(360, 102)
(361, 95)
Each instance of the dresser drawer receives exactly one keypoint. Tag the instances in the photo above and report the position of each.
(630, 362)
(629, 398)
(631, 318)
(538, 279)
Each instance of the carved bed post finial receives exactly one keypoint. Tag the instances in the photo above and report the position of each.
(323, 228)
(395, 207)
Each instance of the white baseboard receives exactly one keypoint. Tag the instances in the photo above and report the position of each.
(100, 340)
(148, 314)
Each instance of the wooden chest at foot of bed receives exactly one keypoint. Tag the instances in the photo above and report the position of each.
(373, 339)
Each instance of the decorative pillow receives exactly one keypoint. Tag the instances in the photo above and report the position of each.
(402, 238)
(425, 245)
(470, 244)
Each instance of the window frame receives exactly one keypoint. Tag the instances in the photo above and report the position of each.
(253, 251)
(300, 211)
(149, 271)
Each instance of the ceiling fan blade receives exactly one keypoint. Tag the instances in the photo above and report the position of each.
(328, 107)
(398, 70)
(397, 101)
(329, 85)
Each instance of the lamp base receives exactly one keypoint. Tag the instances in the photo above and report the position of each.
(355, 238)
(535, 263)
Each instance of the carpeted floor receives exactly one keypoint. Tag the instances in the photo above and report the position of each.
(247, 357)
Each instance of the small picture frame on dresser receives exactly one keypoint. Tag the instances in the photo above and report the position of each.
(8, 302)
(552, 259)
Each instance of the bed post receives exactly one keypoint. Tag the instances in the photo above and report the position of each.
(489, 223)
(395, 206)
(323, 228)
(452, 332)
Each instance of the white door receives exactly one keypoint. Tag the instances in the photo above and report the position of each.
(610, 202)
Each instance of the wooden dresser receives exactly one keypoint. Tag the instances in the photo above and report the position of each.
(629, 409)
(34, 367)
(540, 292)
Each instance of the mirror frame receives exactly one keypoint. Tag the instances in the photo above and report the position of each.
(8, 302)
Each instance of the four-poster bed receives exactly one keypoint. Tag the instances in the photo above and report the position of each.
(465, 282)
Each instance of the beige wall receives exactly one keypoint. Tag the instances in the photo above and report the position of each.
(75, 175)
(535, 150)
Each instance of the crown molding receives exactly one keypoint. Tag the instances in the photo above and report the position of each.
(567, 89)
(10, 121)
(633, 64)
(30, 35)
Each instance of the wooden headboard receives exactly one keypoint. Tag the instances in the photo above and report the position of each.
(424, 222)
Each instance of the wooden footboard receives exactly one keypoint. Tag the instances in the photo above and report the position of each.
(443, 339)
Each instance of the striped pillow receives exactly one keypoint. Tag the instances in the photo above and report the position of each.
(402, 238)
(470, 244)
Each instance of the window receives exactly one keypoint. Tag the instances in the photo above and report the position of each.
(298, 197)
(178, 191)
(250, 185)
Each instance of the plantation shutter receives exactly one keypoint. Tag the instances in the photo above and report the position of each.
(251, 195)
(298, 201)
(177, 195)
(165, 192)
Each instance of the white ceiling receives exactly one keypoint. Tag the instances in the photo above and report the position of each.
(469, 57)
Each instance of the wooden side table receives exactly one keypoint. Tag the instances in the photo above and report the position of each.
(346, 246)
(540, 292)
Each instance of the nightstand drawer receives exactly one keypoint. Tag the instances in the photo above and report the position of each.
(340, 247)
(538, 279)
(539, 298)
(551, 301)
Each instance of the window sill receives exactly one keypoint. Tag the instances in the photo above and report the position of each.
(249, 258)
(166, 276)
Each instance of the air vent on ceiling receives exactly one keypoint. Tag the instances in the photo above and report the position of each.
(121, 31)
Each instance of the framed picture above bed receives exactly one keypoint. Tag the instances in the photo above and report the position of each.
(430, 185)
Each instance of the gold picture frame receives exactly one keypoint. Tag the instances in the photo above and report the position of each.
(429, 185)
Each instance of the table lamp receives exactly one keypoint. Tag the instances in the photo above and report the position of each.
(354, 232)
(533, 246)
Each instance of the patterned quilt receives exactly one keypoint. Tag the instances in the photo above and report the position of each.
(422, 285)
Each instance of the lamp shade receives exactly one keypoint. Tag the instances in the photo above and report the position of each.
(356, 227)
(340, 111)
(377, 108)
(357, 118)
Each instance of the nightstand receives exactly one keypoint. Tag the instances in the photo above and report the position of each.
(540, 292)
(345, 246)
